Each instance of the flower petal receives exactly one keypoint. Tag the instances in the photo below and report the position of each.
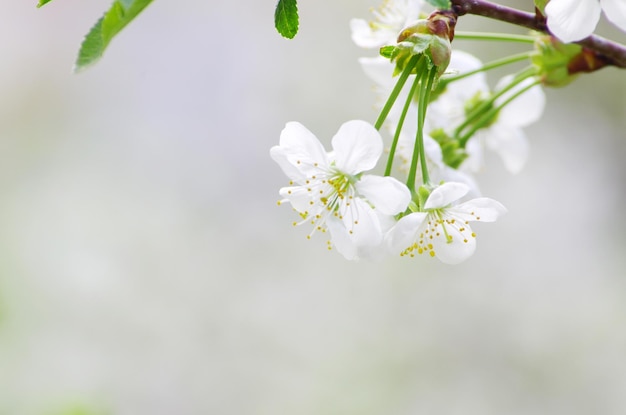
(526, 108)
(459, 246)
(466, 88)
(362, 223)
(357, 232)
(404, 233)
(511, 145)
(357, 146)
(445, 194)
(482, 209)
(572, 20)
(365, 37)
(615, 11)
(299, 153)
(474, 149)
(379, 70)
(341, 239)
(299, 198)
(387, 194)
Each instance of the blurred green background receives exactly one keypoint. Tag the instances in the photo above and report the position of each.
(146, 269)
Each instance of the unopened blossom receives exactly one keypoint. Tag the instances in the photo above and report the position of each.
(389, 19)
(572, 20)
(442, 228)
(505, 135)
(329, 191)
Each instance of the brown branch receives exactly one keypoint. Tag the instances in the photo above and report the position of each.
(614, 53)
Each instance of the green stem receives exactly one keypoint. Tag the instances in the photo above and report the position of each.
(396, 136)
(396, 91)
(494, 36)
(484, 120)
(423, 106)
(490, 65)
(426, 80)
(480, 109)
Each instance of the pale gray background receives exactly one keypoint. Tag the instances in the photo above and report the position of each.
(146, 269)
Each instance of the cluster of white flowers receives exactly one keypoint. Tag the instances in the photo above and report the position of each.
(369, 216)
(330, 192)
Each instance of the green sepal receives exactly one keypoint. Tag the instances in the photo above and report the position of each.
(121, 13)
(453, 153)
(388, 52)
(429, 38)
(422, 195)
(286, 18)
(553, 60)
(43, 2)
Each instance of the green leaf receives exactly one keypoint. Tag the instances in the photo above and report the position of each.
(42, 2)
(286, 18)
(441, 4)
(541, 5)
(114, 20)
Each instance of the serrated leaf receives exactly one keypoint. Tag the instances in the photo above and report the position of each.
(440, 4)
(286, 18)
(42, 2)
(121, 13)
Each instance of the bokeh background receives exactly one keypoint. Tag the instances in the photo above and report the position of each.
(146, 269)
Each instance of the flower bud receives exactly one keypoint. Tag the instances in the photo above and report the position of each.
(425, 37)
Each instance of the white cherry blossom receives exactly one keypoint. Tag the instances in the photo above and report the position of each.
(442, 229)
(505, 135)
(389, 19)
(572, 20)
(330, 192)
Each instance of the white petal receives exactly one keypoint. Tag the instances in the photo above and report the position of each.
(433, 151)
(362, 223)
(456, 250)
(482, 209)
(526, 108)
(445, 194)
(404, 234)
(281, 156)
(357, 146)
(615, 11)
(474, 149)
(379, 70)
(572, 20)
(300, 154)
(465, 88)
(448, 174)
(511, 145)
(364, 36)
(387, 194)
(299, 198)
(297, 139)
(358, 233)
(341, 240)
